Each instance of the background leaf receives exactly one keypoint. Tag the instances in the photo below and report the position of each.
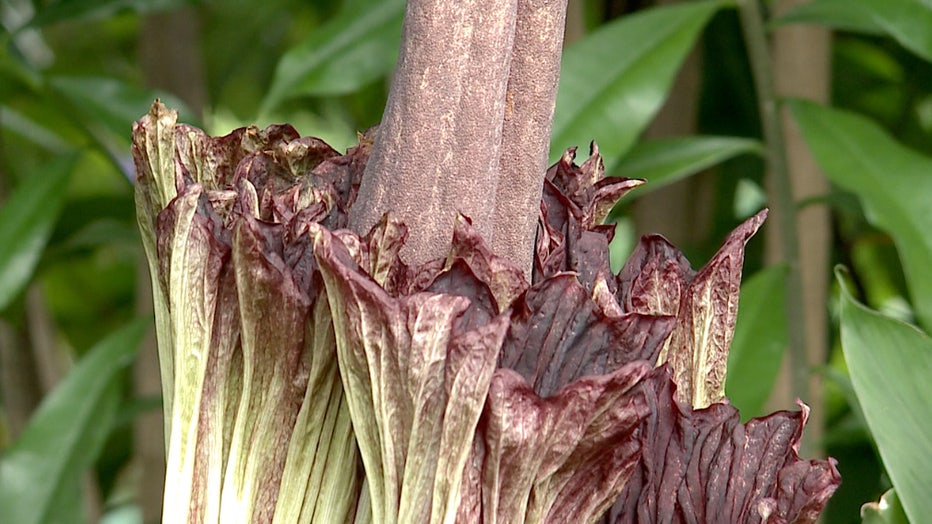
(613, 81)
(65, 435)
(664, 161)
(107, 107)
(894, 390)
(760, 338)
(893, 182)
(26, 222)
(887, 511)
(114, 103)
(27, 128)
(352, 50)
(907, 21)
(840, 14)
(85, 10)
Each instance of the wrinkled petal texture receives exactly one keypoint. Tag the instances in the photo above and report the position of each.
(705, 466)
(575, 201)
(474, 395)
(696, 465)
(658, 280)
(416, 367)
(560, 458)
(253, 382)
(443, 433)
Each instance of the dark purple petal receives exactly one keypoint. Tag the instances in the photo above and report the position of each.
(654, 277)
(592, 194)
(416, 375)
(698, 347)
(558, 334)
(504, 280)
(706, 466)
(459, 280)
(575, 202)
(561, 458)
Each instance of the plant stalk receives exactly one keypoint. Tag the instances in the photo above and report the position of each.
(438, 146)
(530, 101)
(467, 125)
(759, 55)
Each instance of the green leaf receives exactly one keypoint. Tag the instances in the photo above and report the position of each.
(887, 511)
(103, 232)
(66, 433)
(757, 347)
(26, 222)
(16, 76)
(614, 80)
(890, 363)
(877, 264)
(664, 161)
(893, 182)
(124, 514)
(906, 21)
(349, 52)
(109, 104)
(84, 10)
(31, 130)
(849, 15)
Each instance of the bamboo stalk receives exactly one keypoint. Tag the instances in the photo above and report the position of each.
(784, 205)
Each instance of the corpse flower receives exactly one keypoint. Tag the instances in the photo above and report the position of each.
(310, 375)
(249, 375)
(450, 436)
(698, 462)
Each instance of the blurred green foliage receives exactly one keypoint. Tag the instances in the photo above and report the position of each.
(74, 75)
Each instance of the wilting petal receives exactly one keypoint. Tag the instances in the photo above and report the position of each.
(266, 385)
(417, 366)
(592, 194)
(558, 334)
(562, 458)
(706, 466)
(658, 280)
(245, 337)
(416, 378)
(154, 157)
(654, 277)
(383, 244)
(274, 312)
(192, 255)
(698, 347)
(575, 201)
(504, 280)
